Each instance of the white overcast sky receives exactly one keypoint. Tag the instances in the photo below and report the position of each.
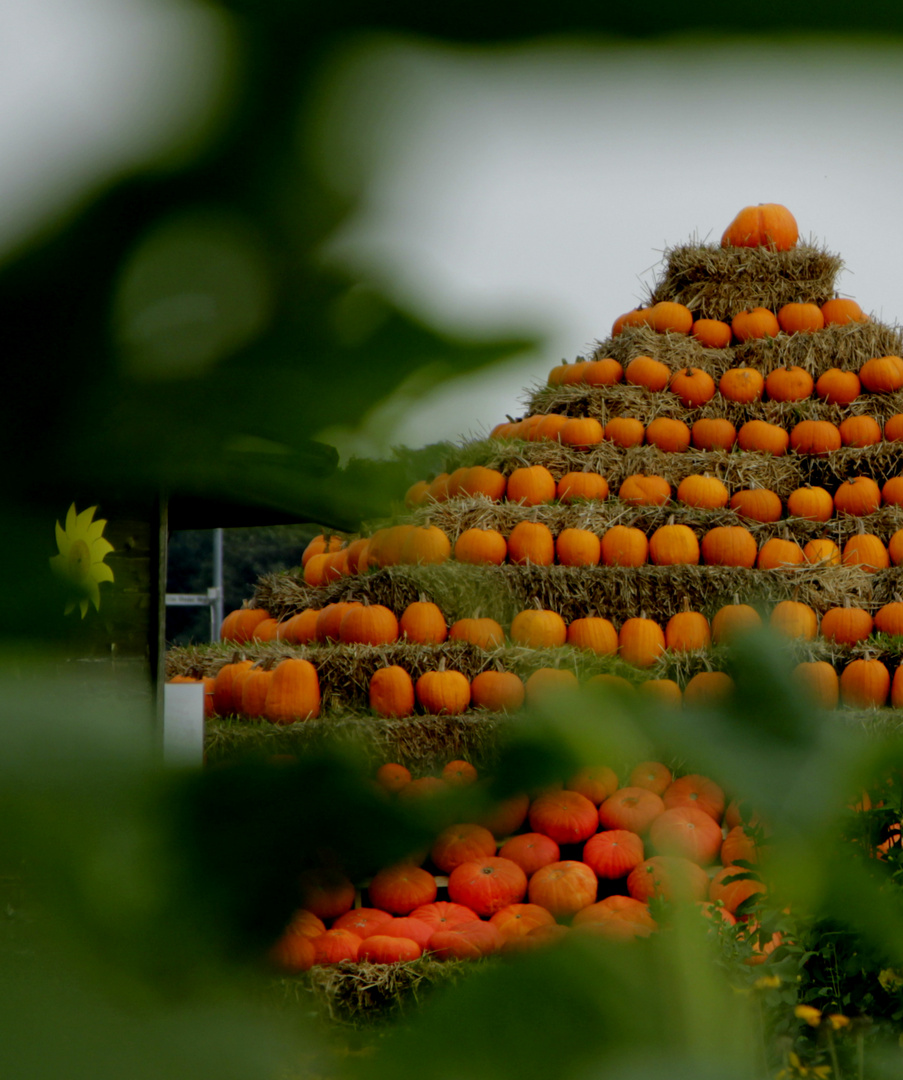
(530, 188)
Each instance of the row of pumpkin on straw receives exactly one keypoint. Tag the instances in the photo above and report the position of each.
(741, 385)
(672, 435)
(422, 622)
(793, 318)
(535, 485)
(588, 856)
(672, 544)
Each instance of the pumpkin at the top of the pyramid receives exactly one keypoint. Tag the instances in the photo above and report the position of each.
(765, 225)
(759, 262)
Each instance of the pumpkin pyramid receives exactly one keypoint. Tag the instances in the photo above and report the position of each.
(731, 453)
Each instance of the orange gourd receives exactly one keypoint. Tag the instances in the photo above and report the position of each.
(801, 318)
(442, 693)
(480, 547)
(839, 312)
(819, 682)
(693, 386)
(674, 545)
(644, 371)
(743, 385)
(864, 684)
(810, 503)
(713, 433)
(757, 504)
(795, 620)
(480, 480)
(822, 550)
(686, 631)
(882, 374)
(668, 315)
(640, 489)
(732, 621)
(763, 437)
(294, 692)
(497, 691)
(705, 492)
(789, 384)
(531, 542)
(818, 437)
(624, 545)
(391, 692)
(577, 547)
(766, 225)
(593, 633)
(779, 554)
(756, 323)
(712, 333)
(729, 545)
(581, 485)
(859, 431)
(605, 371)
(838, 387)
(484, 632)
(423, 622)
(368, 624)
(668, 434)
(867, 551)
(641, 641)
(625, 431)
(858, 496)
(531, 485)
(581, 432)
(846, 625)
(538, 629)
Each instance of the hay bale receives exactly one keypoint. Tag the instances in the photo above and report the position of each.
(716, 282)
(363, 995)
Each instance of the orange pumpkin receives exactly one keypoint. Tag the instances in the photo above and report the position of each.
(443, 693)
(882, 374)
(743, 385)
(758, 504)
(605, 371)
(484, 632)
(687, 832)
(391, 692)
(822, 550)
(860, 431)
(631, 808)
(846, 625)
(480, 480)
(789, 384)
(531, 542)
(711, 333)
(368, 624)
(797, 318)
(294, 692)
(531, 485)
(674, 545)
(892, 492)
(694, 789)
(893, 428)
(819, 682)
(778, 553)
(686, 631)
(481, 547)
(546, 683)
(567, 817)
(713, 433)
(530, 851)
(641, 641)
(708, 689)
(425, 545)
(422, 621)
(487, 885)
(766, 225)
(693, 386)
(668, 434)
(811, 503)
(838, 387)
(889, 618)
(457, 844)
(729, 892)
(578, 547)
(817, 437)
(515, 921)
(732, 621)
(864, 684)
(624, 545)
(594, 633)
(402, 887)
(858, 496)
(763, 437)
(867, 551)
(563, 888)
(640, 489)
(840, 312)
(653, 775)
(239, 625)
(668, 315)
(756, 323)
(574, 486)
(729, 545)
(497, 691)
(795, 620)
(581, 432)
(705, 492)
(625, 431)
(596, 782)
(536, 629)
(644, 371)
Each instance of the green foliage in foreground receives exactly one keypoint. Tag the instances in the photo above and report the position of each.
(140, 902)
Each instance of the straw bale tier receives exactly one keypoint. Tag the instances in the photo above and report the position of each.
(717, 282)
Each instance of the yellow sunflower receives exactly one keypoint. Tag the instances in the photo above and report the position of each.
(80, 563)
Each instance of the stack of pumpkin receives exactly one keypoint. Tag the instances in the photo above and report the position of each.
(747, 419)
(587, 857)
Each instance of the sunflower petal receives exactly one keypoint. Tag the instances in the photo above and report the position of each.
(102, 572)
(71, 515)
(95, 529)
(100, 548)
(83, 520)
(63, 542)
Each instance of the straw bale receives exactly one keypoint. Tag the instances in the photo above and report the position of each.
(845, 347)
(716, 282)
(363, 994)
(423, 743)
